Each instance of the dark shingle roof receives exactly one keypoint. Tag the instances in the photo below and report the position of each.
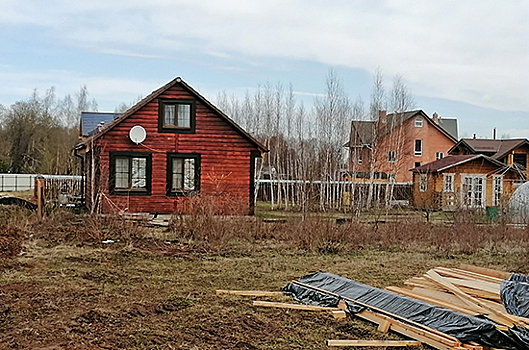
(451, 161)
(91, 120)
(362, 132)
(497, 149)
(450, 126)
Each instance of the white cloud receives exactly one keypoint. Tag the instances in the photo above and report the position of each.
(471, 51)
(103, 89)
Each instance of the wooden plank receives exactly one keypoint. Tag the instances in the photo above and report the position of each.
(478, 285)
(471, 301)
(339, 314)
(437, 341)
(481, 293)
(430, 300)
(342, 305)
(373, 343)
(444, 296)
(485, 271)
(384, 326)
(468, 274)
(293, 306)
(248, 293)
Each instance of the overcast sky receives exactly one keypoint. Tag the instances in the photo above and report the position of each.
(462, 59)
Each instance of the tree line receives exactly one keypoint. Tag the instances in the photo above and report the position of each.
(38, 135)
(308, 152)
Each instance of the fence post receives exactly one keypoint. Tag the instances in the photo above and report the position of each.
(40, 199)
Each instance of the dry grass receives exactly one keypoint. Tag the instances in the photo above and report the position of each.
(154, 288)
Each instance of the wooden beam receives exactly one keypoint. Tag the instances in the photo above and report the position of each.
(478, 285)
(475, 311)
(444, 296)
(384, 326)
(293, 306)
(484, 271)
(40, 199)
(248, 293)
(473, 302)
(339, 314)
(466, 274)
(435, 340)
(373, 343)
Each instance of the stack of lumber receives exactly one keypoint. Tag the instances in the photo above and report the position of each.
(469, 290)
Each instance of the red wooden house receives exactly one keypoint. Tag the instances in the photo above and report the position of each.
(171, 146)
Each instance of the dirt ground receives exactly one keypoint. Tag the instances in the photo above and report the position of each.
(157, 292)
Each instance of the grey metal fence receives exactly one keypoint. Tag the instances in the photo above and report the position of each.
(17, 182)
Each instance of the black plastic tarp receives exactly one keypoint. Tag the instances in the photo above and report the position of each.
(463, 327)
(514, 294)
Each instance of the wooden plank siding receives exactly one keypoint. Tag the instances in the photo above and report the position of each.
(225, 155)
(435, 198)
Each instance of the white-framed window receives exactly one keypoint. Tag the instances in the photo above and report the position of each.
(450, 200)
(439, 155)
(418, 122)
(497, 186)
(473, 190)
(448, 183)
(423, 182)
(392, 156)
(418, 147)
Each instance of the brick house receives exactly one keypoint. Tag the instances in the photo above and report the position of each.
(393, 144)
(171, 146)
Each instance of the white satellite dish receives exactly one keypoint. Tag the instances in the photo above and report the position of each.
(137, 134)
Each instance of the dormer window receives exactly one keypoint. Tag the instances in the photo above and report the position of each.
(176, 115)
(418, 122)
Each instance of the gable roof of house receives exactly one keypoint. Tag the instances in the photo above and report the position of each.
(90, 121)
(450, 125)
(452, 161)
(155, 94)
(363, 132)
(496, 148)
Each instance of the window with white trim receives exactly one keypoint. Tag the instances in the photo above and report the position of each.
(448, 183)
(439, 155)
(473, 190)
(418, 148)
(423, 182)
(497, 183)
(418, 122)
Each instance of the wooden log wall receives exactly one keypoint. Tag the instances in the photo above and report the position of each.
(224, 151)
